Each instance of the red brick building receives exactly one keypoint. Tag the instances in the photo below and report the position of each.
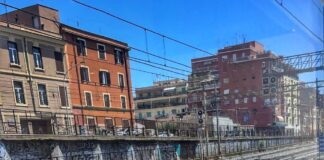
(239, 72)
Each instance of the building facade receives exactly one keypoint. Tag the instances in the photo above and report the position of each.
(34, 90)
(247, 90)
(100, 82)
(58, 69)
(165, 100)
(204, 79)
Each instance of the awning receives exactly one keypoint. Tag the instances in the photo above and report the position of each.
(169, 89)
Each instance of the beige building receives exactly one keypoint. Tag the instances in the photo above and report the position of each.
(162, 101)
(291, 107)
(33, 89)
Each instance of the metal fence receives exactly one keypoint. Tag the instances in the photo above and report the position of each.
(29, 122)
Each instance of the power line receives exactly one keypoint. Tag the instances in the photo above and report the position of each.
(59, 23)
(159, 67)
(142, 27)
(318, 7)
(299, 21)
(131, 58)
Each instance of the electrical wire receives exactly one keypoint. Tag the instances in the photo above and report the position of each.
(299, 21)
(141, 27)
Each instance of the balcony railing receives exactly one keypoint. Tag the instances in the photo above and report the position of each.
(169, 94)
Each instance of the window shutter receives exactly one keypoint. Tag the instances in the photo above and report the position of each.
(122, 57)
(116, 57)
(63, 97)
(59, 61)
(108, 78)
(100, 77)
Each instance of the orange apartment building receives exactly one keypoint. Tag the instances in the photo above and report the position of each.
(100, 83)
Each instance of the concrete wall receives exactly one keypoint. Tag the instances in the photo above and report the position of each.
(157, 150)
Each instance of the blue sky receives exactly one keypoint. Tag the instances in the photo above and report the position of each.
(207, 24)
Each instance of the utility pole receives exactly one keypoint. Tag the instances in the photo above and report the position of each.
(217, 122)
(206, 118)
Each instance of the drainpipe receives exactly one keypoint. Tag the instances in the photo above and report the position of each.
(78, 79)
(29, 76)
(129, 92)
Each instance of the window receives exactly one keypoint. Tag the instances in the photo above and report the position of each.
(273, 80)
(101, 51)
(59, 61)
(148, 114)
(36, 23)
(234, 57)
(84, 71)
(109, 123)
(19, 92)
(123, 102)
(104, 78)
(38, 58)
(265, 91)
(174, 111)
(125, 123)
(88, 98)
(42, 94)
(265, 81)
(236, 101)
(106, 98)
(121, 80)
(91, 123)
(226, 91)
(245, 100)
(63, 96)
(226, 102)
(13, 53)
(226, 80)
(158, 113)
(140, 116)
(224, 58)
(81, 47)
(254, 99)
(119, 58)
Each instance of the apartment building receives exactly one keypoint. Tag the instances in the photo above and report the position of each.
(100, 82)
(308, 110)
(52, 60)
(204, 79)
(244, 83)
(33, 90)
(165, 100)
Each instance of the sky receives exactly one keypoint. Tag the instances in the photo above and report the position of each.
(206, 24)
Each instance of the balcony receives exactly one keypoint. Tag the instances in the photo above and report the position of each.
(166, 94)
(144, 107)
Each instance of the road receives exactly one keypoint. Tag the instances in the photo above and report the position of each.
(305, 151)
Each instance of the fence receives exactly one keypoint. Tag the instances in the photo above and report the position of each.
(29, 122)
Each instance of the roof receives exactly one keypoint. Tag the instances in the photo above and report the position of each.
(93, 34)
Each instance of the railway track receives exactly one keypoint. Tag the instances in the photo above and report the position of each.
(300, 151)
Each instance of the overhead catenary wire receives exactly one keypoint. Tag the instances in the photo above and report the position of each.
(142, 27)
(131, 47)
(317, 6)
(299, 21)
